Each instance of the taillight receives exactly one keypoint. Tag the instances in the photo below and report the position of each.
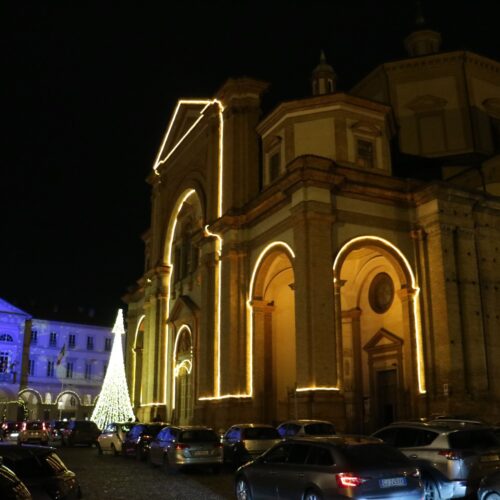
(415, 473)
(23, 427)
(181, 446)
(217, 445)
(348, 480)
(453, 454)
(43, 426)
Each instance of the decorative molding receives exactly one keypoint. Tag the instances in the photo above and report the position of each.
(425, 103)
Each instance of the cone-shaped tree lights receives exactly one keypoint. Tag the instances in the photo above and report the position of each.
(113, 404)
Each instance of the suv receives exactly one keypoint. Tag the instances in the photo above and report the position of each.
(80, 432)
(10, 430)
(243, 442)
(452, 458)
(33, 432)
(305, 427)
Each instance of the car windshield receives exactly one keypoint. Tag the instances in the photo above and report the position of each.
(319, 429)
(373, 454)
(260, 433)
(197, 435)
(32, 466)
(473, 439)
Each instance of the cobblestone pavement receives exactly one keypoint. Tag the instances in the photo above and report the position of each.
(116, 478)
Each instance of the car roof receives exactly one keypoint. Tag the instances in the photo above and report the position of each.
(18, 452)
(337, 440)
(440, 425)
(305, 421)
(249, 425)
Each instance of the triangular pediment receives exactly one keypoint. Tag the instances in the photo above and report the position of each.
(426, 102)
(6, 307)
(184, 308)
(184, 119)
(383, 338)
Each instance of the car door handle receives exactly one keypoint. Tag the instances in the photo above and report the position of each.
(413, 456)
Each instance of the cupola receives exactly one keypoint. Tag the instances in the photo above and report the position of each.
(324, 79)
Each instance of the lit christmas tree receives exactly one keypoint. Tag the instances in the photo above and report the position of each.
(113, 404)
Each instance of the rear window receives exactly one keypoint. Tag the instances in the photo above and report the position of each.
(198, 435)
(261, 433)
(473, 439)
(319, 429)
(373, 454)
(34, 426)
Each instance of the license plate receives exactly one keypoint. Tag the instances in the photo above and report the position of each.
(490, 458)
(201, 453)
(392, 481)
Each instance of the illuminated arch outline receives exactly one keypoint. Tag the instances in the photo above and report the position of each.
(381, 242)
(73, 393)
(139, 323)
(183, 363)
(34, 391)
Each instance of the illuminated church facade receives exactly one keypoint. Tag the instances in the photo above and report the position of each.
(292, 270)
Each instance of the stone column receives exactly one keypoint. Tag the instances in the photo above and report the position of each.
(314, 296)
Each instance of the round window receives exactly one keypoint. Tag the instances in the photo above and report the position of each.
(381, 293)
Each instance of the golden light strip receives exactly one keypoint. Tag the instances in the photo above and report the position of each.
(249, 309)
(134, 354)
(316, 388)
(205, 103)
(416, 316)
(178, 208)
(174, 355)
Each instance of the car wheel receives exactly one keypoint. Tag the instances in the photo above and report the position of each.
(242, 490)
(493, 496)
(312, 495)
(431, 491)
(99, 449)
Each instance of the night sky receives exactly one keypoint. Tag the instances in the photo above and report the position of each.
(88, 91)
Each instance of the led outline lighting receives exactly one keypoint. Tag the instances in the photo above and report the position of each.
(181, 202)
(176, 368)
(206, 103)
(316, 388)
(135, 359)
(418, 329)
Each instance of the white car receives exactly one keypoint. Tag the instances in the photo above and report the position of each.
(112, 436)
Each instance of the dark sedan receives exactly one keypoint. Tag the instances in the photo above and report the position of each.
(41, 470)
(308, 468)
(138, 440)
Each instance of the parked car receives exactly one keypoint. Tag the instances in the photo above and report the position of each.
(11, 487)
(80, 432)
(41, 470)
(112, 436)
(452, 458)
(489, 488)
(305, 427)
(138, 439)
(33, 432)
(310, 467)
(10, 430)
(176, 447)
(243, 442)
(56, 429)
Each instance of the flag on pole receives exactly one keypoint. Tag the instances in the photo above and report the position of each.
(62, 353)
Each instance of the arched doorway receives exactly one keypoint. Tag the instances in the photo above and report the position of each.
(273, 305)
(377, 312)
(183, 378)
(68, 404)
(33, 404)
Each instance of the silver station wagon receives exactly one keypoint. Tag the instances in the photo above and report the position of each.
(310, 468)
(176, 447)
